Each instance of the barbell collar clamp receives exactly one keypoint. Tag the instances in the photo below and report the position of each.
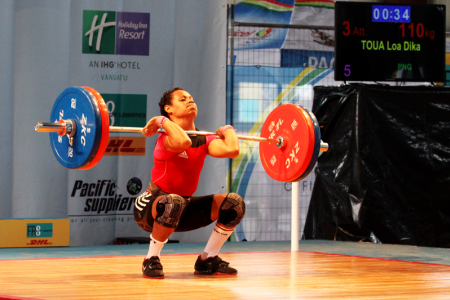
(280, 143)
(66, 128)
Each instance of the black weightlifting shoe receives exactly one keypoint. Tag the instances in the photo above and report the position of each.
(152, 268)
(213, 266)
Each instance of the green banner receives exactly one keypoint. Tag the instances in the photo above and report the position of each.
(127, 110)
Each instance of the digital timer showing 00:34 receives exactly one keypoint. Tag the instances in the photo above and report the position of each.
(384, 13)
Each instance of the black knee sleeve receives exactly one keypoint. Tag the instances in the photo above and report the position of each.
(232, 210)
(169, 210)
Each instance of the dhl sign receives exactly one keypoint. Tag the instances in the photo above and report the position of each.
(39, 242)
(34, 233)
(131, 146)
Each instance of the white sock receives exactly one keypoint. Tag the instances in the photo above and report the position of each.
(155, 247)
(219, 236)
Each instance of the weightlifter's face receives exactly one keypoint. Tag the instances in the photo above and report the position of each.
(183, 105)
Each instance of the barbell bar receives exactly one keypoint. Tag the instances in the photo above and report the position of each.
(61, 128)
(79, 134)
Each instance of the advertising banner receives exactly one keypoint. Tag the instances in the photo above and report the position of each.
(112, 47)
(131, 52)
(288, 12)
(311, 13)
(254, 11)
(34, 233)
(307, 58)
(123, 51)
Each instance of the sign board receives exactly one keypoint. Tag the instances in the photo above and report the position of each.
(381, 42)
(34, 233)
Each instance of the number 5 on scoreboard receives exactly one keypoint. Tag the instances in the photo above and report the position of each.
(347, 70)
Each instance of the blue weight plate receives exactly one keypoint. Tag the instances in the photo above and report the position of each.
(317, 139)
(80, 105)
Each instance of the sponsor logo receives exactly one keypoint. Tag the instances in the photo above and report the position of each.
(134, 186)
(142, 201)
(131, 65)
(39, 230)
(127, 110)
(129, 146)
(253, 35)
(120, 33)
(240, 33)
(101, 196)
(320, 62)
(308, 58)
(183, 154)
(263, 33)
(38, 243)
(84, 129)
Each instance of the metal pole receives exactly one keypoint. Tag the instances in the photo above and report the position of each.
(293, 26)
(232, 36)
(49, 127)
(125, 129)
(230, 81)
(58, 127)
(240, 137)
(294, 217)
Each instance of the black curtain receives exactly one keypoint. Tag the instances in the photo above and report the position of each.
(386, 176)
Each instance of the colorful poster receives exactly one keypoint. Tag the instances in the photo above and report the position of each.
(256, 92)
(263, 11)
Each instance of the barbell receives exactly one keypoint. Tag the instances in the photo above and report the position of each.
(79, 133)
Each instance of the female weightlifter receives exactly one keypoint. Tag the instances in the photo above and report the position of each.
(168, 205)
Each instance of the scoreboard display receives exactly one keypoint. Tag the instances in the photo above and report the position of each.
(381, 42)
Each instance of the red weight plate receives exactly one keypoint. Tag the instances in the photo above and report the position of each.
(317, 139)
(295, 126)
(105, 128)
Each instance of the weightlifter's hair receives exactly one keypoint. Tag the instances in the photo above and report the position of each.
(166, 99)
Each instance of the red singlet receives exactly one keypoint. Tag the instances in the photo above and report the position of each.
(178, 173)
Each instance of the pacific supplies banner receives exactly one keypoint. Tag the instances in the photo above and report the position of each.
(131, 52)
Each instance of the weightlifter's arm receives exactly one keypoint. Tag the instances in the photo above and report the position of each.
(225, 147)
(176, 141)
